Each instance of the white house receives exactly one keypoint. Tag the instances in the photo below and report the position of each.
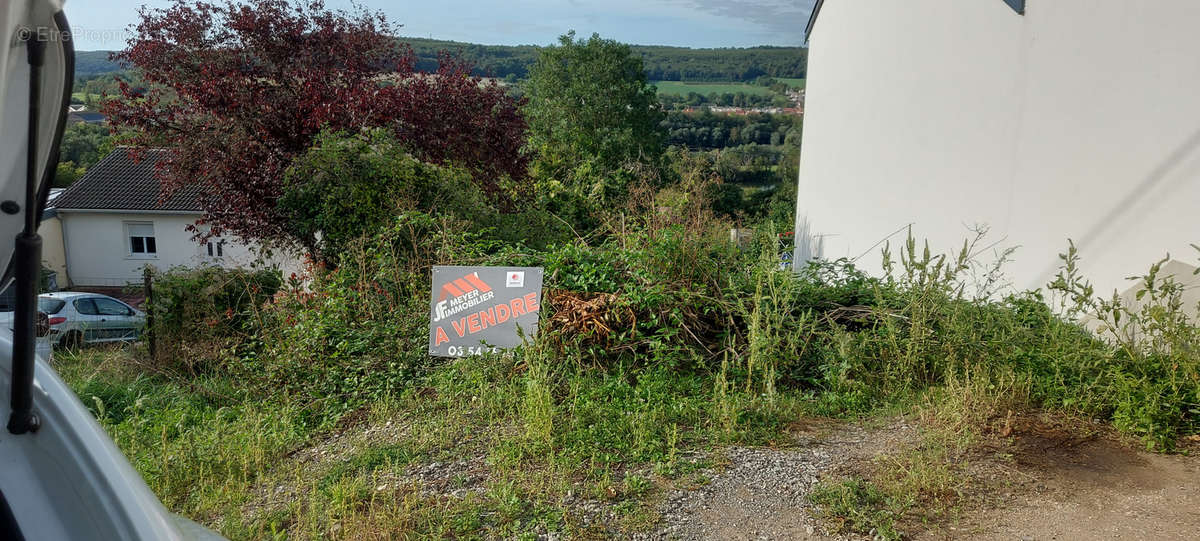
(108, 225)
(1041, 119)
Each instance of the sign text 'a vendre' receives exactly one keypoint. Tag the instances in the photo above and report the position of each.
(480, 309)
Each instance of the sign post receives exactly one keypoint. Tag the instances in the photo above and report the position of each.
(477, 310)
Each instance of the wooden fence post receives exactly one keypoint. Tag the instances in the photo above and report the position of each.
(148, 287)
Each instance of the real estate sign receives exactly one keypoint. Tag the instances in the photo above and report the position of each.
(479, 309)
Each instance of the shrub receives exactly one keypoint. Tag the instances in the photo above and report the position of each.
(360, 331)
(917, 331)
(347, 187)
(199, 313)
(727, 199)
(1150, 365)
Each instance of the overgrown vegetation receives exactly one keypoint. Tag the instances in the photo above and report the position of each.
(308, 407)
(198, 315)
(660, 339)
(348, 187)
(1136, 368)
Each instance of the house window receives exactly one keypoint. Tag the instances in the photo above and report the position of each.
(141, 241)
(216, 248)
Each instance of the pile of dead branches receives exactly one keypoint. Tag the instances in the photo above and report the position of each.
(593, 317)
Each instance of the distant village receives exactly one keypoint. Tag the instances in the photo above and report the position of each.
(794, 96)
(80, 114)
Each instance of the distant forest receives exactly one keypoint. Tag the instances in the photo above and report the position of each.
(513, 62)
(662, 63)
(89, 64)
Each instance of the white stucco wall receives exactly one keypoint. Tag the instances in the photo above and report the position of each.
(97, 253)
(1078, 120)
(53, 256)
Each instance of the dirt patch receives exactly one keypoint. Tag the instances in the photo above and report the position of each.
(1064, 482)
(1034, 478)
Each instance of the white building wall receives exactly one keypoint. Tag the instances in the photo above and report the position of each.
(97, 251)
(1077, 120)
(53, 256)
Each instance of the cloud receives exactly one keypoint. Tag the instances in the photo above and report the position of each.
(784, 17)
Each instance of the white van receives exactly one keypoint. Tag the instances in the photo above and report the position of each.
(62, 477)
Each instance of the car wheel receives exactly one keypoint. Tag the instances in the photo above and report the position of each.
(71, 341)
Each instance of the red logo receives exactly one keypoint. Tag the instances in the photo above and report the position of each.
(462, 286)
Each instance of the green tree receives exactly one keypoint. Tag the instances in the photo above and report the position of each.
(593, 118)
(727, 199)
(84, 144)
(350, 186)
(66, 173)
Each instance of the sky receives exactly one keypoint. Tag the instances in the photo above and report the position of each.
(103, 24)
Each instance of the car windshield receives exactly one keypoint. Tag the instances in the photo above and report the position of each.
(48, 305)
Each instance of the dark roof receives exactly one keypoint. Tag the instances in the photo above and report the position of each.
(118, 182)
(87, 117)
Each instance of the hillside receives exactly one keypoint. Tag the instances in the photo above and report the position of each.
(91, 63)
(662, 63)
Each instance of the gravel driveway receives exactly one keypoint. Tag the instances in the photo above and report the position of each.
(763, 492)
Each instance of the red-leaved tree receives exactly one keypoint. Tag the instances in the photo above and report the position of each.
(235, 91)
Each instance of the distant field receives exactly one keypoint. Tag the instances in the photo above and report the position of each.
(792, 82)
(682, 88)
(81, 97)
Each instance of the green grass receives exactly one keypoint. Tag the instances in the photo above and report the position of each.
(902, 487)
(543, 430)
(683, 88)
(81, 97)
(794, 82)
(921, 483)
(855, 505)
(200, 445)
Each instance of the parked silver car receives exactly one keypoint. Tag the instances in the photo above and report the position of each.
(88, 318)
